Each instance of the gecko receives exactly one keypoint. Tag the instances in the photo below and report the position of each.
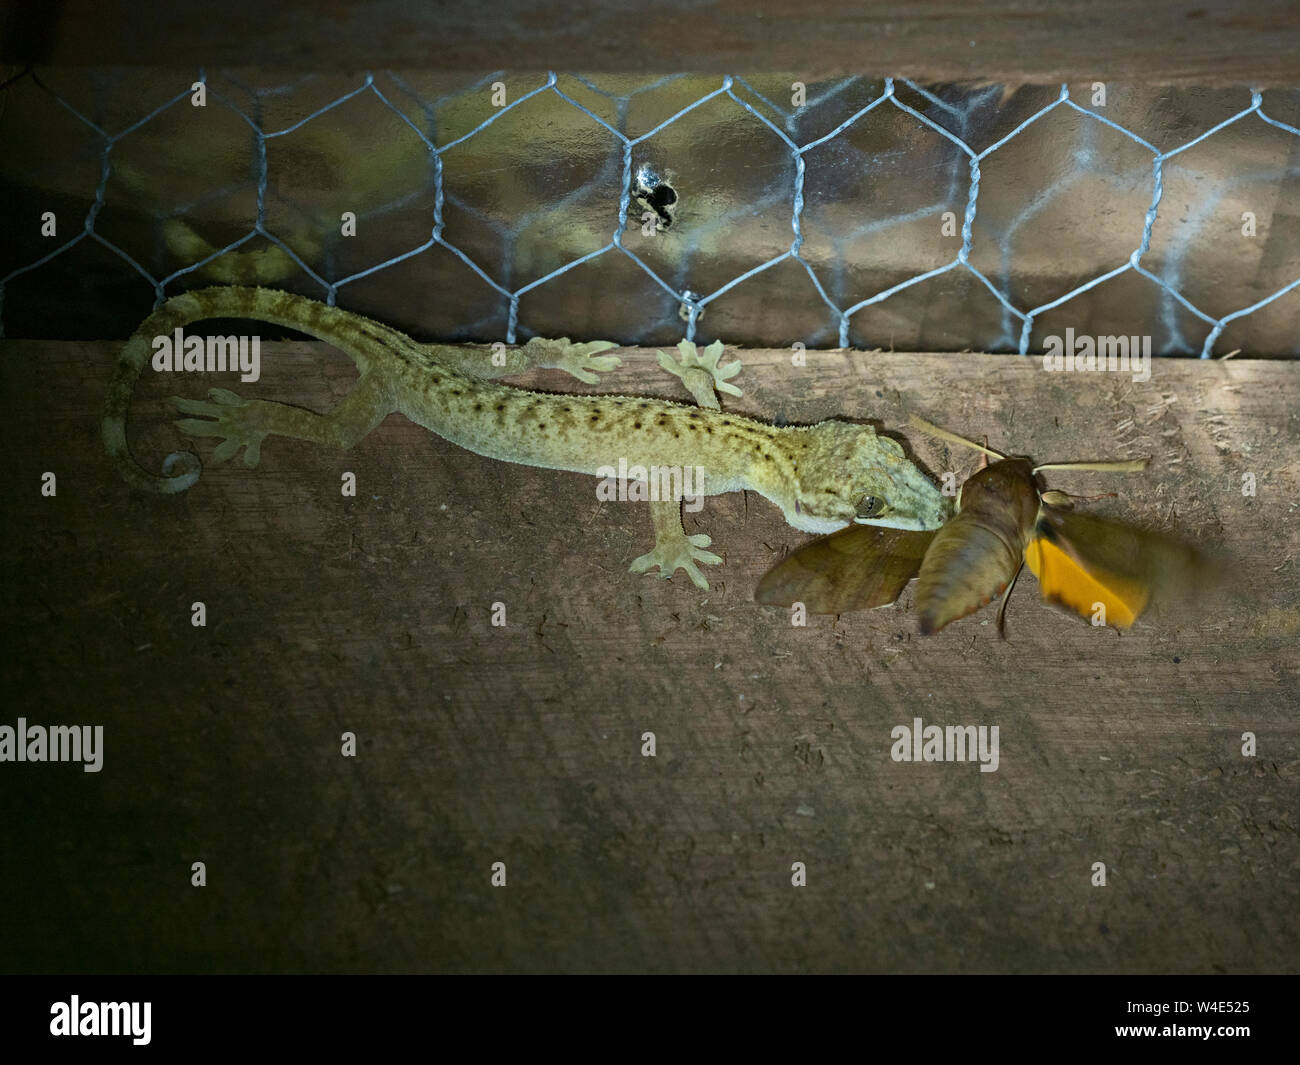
(823, 477)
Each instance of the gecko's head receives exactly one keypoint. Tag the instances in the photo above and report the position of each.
(849, 474)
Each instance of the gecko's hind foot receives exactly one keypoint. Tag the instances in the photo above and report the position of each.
(582, 361)
(238, 422)
(699, 370)
(679, 553)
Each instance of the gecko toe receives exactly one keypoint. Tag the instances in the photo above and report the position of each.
(199, 427)
(697, 578)
(224, 451)
(193, 406)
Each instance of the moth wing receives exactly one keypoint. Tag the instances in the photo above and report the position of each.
(1081, 560)
(857, 568)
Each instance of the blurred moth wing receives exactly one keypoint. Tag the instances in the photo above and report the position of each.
(1084, 562)
(856, 568)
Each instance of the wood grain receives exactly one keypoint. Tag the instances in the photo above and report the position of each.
(522, 744)
(1214, 42)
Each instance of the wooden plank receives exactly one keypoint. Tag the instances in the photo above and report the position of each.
(522, 744)
(1213, 42)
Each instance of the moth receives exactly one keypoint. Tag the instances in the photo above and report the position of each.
(1105, 570)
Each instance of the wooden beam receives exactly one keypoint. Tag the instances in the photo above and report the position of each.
(1213, 42)
(329, 614)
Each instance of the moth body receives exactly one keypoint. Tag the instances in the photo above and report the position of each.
(973, 558)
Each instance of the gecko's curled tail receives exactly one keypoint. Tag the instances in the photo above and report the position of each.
(181, 470)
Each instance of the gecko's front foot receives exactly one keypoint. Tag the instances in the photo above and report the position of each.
(239, 422)
(679, 552)
(583, 361)
(700, 372)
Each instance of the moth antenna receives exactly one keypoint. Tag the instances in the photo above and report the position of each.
(1055, 498)
(1116, 466)
(1002, 607)
(933, 430)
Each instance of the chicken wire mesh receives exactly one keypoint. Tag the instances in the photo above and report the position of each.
(762, 211)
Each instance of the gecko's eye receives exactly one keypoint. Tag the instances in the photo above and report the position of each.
(870, 507)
